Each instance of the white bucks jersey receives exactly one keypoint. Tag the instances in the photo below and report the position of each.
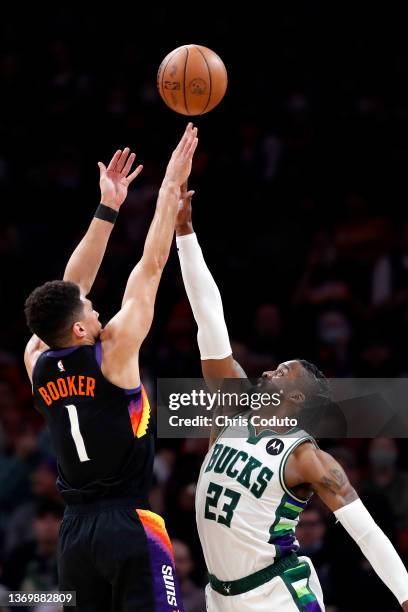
(246, 515)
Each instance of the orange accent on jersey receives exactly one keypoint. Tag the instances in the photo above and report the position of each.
(81, 385)
(42, 391)
(139, 412)
(156, 529)
(144, 421)
(62, 387)
(51, 392)
(90, 386)
(71, 385)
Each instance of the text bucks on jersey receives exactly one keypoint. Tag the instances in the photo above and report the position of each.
(246, 515)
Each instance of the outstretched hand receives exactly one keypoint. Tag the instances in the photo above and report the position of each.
(184, 223)
(179, 167)
(115, 179)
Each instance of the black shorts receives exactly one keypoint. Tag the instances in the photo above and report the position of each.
(117, 559)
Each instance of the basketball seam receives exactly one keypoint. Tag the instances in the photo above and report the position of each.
(209, 76)
(162, 77)
(184, 88)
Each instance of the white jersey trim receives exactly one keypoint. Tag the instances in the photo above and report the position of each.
(283, 464)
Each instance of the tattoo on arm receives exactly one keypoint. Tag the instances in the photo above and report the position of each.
(336, 483)
(333, 485)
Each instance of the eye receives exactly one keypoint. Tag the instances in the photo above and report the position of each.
(280, 372)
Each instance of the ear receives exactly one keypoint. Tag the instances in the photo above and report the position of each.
(78, 330)
(297, 397)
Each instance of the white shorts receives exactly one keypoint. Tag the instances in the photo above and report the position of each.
(286, 593)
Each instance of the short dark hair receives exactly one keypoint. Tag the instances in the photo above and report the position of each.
(317, 382)
(317, 386)
(320, 415)
(51, 309)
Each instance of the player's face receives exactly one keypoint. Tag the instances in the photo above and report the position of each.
(285, 374)
(90, 319)
(285, 380)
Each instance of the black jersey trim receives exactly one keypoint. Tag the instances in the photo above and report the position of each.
(55, 353)
(62, 352)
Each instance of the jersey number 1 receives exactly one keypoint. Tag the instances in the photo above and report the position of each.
(76, 433)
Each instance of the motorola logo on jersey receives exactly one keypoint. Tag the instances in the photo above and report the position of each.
(274, 446)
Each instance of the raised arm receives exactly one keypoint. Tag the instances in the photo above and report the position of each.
(85, 261)
(217, 361)
(310, 465)
(122, 337)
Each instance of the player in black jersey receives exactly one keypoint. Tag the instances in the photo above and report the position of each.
(114, 552)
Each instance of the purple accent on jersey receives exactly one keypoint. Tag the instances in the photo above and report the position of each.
(62, 352)
(295, 502)
(285, 544)
(312, 606)
(166, 589)
(132, 391)
(98, 353)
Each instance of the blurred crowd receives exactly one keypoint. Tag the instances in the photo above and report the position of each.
(300, 208)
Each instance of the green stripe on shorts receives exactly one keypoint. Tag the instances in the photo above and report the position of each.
(301, 593)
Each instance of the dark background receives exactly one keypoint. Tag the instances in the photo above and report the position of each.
(300, 208)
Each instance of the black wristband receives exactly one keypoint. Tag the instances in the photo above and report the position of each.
(106, 213)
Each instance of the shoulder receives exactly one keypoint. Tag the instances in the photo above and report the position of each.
(302, 457)
(305, 448)
(33, 350)
(298, 447)
(118, 366)
(310, 463)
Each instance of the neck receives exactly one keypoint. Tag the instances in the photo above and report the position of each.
(75, 342)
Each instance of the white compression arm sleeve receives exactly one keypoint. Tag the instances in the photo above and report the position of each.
(205, 300)
(375, 546)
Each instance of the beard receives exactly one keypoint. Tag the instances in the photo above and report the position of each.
(263, 387)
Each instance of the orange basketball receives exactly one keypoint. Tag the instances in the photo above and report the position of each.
(192, 80)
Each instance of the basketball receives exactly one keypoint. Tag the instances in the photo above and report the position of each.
(192, 80)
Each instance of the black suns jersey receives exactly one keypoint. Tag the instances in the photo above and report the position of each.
(102, 435)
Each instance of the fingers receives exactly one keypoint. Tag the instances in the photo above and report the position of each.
(191, 135)
(188, 137)
(135, 173)
(184, 138)
(128, 165)
(184, 189)
(186, 196)
(102, 168)
(191, 148)
(114, 160)
(122, 160)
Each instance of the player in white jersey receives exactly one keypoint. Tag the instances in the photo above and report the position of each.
(246, 519)
(254, 483)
